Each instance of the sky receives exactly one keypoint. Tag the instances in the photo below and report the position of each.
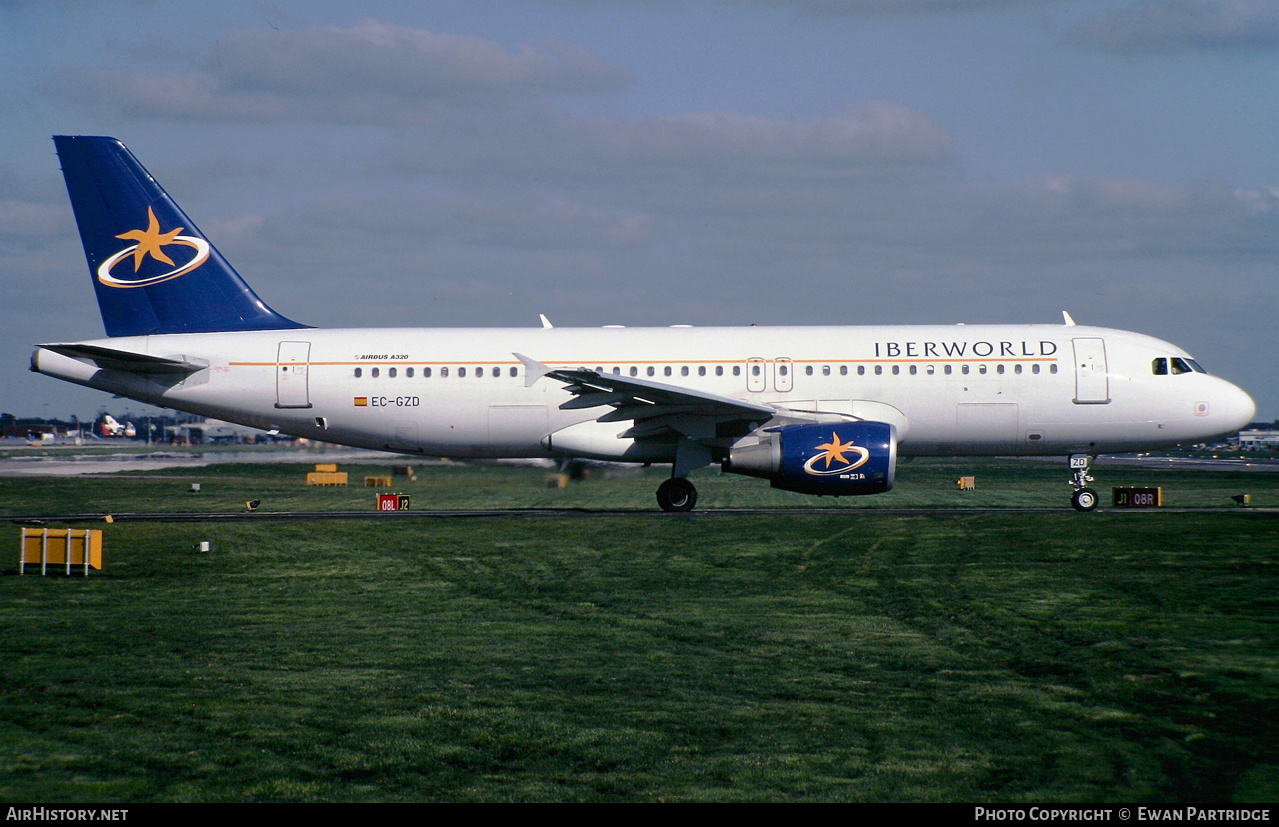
(658, 162)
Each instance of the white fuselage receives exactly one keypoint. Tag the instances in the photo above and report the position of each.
(950, 390)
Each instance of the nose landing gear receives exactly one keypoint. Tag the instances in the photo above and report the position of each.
(1084, 498)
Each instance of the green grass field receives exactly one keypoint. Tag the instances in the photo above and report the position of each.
(849, 655)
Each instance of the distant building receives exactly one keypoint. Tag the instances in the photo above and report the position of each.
(1258, 439)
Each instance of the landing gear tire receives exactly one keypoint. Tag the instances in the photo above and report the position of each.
(1085, 499)
(677, 494)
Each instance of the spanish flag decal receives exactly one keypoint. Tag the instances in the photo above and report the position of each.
(361, 401)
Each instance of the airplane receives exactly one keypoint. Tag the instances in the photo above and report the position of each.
(816, 410)
(111, 427)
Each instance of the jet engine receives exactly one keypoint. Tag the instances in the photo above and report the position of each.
(839, 458)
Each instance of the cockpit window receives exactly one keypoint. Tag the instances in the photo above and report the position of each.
(1159, 367)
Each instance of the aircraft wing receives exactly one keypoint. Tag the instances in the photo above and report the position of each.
(658, 410)
(124, 360)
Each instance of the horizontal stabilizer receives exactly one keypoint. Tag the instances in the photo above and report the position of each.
(123, 360)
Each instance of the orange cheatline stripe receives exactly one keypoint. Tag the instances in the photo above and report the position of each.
(580, 362)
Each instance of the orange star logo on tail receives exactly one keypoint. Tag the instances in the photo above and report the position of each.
(151, 243)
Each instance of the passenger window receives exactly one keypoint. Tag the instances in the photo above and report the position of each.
(808, 370)
(444, 372)
(825, 370)
(861, 370)
(634, 371)
(461, 372)
(879, 370)
(701, 370)
(666, 371)
(408, 372)
(1052, 368)
(896, 369)
(981, 369)
(737, 370)
(1034, 368)
(650, 370)
(719, 370)
(391, 373)
(843, 370)
(426, 373)
(358, 373)
(374, 373)
(929, 370)
(683, 371)
(964, 370)
(913, 370)
(516, 371)
(948, 370)
(1159, 367)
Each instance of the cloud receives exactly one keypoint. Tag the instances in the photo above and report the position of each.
(851, 8)
(1183, 25)
(31, 221)
(833, 8)
(371, 72)
(640, 223)
(674, 154)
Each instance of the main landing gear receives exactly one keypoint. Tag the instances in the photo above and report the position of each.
(1084, 498)
(677, 494)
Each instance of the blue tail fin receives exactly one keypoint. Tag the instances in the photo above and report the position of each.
(153, 271)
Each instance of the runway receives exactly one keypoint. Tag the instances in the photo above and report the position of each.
(66, 461)
(583, 513)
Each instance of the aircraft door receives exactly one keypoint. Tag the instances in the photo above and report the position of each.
(292, 381)
(756, 377)
(1092, 385)
(783, 374)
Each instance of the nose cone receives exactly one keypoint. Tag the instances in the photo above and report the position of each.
(1231, 409)
(1235, 408)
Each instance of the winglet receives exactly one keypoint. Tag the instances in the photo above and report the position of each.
(533, 369)
(546, 323)
(1069, 322)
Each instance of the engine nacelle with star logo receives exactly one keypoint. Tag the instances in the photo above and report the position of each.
(837, 459)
